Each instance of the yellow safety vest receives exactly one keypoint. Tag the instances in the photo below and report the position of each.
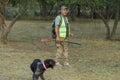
(63, 28)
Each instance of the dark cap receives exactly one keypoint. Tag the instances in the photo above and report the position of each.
(63, 7)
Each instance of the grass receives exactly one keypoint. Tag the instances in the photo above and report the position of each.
(95, 59)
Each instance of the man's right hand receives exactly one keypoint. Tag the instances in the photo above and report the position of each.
(58, 39)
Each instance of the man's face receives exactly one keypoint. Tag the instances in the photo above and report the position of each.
(64, 12)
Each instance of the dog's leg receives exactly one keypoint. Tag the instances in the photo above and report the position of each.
(35, 77)
(42, 77)
(37, 72)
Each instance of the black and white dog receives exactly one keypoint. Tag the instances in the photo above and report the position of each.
(38, 67)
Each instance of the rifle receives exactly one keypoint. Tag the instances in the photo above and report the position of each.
(49, 40)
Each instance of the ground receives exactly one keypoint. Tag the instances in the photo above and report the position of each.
(95, 59)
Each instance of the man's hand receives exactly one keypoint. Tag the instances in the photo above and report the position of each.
(58, 39)
(71, 34)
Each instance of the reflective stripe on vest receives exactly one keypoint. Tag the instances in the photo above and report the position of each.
(62, 28)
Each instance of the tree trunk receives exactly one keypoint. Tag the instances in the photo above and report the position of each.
(107, 29)
(78, 10)
(55, 9)
(106, 25)
(50, 11)
(116, 20)
(107, 12)
(3, 4)
(6, 31)
(2, 25)
(43, 11)
(72, 9)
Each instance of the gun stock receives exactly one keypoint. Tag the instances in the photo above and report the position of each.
(46, 40)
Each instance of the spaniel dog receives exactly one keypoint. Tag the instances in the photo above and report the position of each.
(38, 67)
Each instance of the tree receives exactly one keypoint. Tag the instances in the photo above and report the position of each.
(6, 30)
(99, 6)
(3, 4)
(49, 7)
(116, 19)
(105, 9)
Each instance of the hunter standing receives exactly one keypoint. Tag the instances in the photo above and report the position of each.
(62, 31)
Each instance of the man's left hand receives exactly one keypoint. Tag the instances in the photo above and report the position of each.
(71, 34)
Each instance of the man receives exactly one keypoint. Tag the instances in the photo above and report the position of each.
(62, 31)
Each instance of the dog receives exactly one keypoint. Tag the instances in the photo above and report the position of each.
(38, 67)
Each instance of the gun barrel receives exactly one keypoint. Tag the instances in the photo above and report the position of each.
(73, 42)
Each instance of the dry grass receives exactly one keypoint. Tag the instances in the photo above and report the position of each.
(95, 59)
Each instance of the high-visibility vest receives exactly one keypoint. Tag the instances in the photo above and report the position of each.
(64, 28)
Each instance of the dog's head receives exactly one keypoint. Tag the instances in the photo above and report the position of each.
(50, 63)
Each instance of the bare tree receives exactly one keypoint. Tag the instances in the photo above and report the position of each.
(5, 29)
(3, 4)
(110, 33)
(116, 19)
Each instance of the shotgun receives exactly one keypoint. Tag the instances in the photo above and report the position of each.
(49, 40)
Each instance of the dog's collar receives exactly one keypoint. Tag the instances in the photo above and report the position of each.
(44, 65)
